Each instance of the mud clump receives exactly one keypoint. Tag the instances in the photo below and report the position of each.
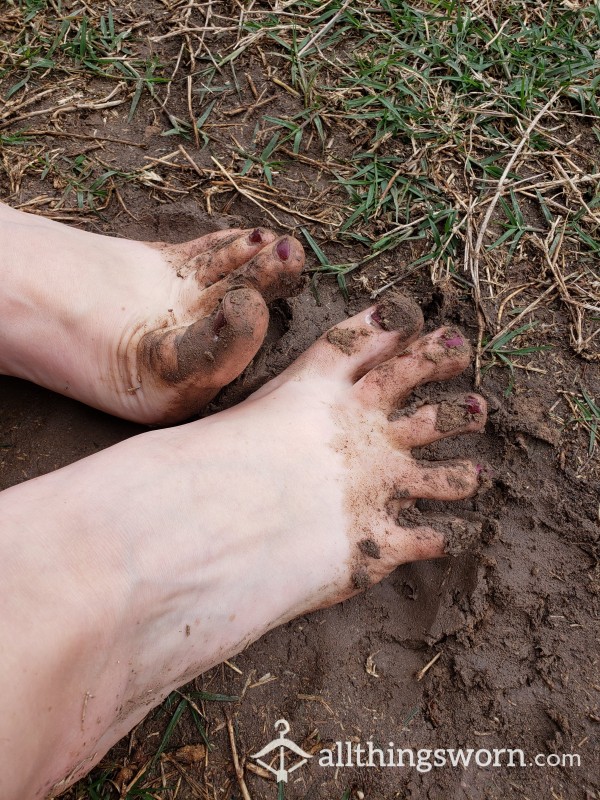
(370, 548)
(456, 413)
(399, 313)
(460, 535)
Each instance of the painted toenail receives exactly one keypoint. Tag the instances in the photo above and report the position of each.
(454, 341)
(255, 237)
(283, 249)
(472, 405)
(375, 317)
(219, 322)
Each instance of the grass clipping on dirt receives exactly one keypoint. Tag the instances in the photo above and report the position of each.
(449, 139)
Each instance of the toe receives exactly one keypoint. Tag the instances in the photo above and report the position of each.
(227, 254)
(441, 480)
(432, 535)
(274, 272)
(438, 356)
(430, 423)
(359, 343)
(200, 358)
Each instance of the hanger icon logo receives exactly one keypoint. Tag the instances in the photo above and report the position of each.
(283, 745)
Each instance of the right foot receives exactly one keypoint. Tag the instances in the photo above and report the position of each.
(148, 563)
(150, 333)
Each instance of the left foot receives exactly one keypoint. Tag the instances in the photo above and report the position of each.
(148, 332)
(130, 572)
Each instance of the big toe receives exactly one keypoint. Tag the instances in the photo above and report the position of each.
(353, 347)
(198, 359)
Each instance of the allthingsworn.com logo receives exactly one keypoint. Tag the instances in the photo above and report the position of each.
(281, 757)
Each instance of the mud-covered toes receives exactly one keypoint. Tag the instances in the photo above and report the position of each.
(354, 346)
(438, 356)
(226, 255)
(275, 270)
(434, 534)
(200, 358)
(453, 416)
(441, 480)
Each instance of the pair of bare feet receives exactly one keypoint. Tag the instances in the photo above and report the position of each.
(130, 572)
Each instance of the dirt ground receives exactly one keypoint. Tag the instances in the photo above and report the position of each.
(513, 627)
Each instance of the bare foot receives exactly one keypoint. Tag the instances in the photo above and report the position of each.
(149, 332)
(175, 549)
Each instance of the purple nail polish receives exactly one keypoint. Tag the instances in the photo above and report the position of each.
(219, 322)
(283, 249)
(454, 341)
(376, 317)
(472, 405)
(255, 237)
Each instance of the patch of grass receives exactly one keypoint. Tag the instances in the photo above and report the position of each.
(433, 99)
(505, 350)
(76, 44)
(587, 414)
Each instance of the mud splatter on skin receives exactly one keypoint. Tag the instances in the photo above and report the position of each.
(360, 579)
(178, 355)
(345, 339)
(453, 341)
(370, 548)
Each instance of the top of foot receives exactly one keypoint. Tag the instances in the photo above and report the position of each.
(148, 332)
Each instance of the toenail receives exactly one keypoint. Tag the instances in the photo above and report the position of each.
(283, 249)
(255, 237)
(472, 405)
(376, 318)
(219, 322)
(453, 341)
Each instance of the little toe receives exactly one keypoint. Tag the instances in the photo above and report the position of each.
(438, 356)
(227, 254)
(356, 345)
(200, 358)
(433, 535)
(453, 416)
(442, 480)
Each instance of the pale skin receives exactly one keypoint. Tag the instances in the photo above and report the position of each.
(128, 573)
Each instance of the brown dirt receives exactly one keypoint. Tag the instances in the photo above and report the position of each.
(455, 413)
(344, 339)
(399, 313)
